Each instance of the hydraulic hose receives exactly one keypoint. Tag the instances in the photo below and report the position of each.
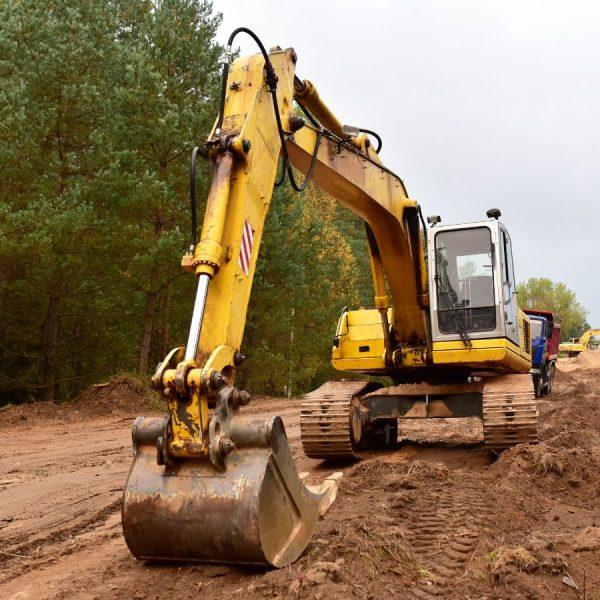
(376, 136)
(271, 79)
(225, 74)
(299, 83)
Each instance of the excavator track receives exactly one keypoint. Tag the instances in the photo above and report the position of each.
(327, 420)
(510, 414)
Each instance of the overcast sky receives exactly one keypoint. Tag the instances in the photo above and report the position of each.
(480, 104)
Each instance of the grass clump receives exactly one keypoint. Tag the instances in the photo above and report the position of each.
(510, 558)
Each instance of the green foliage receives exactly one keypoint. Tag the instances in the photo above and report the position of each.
(543, 294)
(99, 104)
(56, 63)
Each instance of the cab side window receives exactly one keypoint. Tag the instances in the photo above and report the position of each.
(508, 273)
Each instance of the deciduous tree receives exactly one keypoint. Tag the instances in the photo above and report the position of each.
(543, 294)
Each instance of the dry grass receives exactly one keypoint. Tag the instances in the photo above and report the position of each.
(506, 558)
(415, 472)
(548, 461)
(388, 553)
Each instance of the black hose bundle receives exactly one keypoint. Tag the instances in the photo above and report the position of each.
(271, 79)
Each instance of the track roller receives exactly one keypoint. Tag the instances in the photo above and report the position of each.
(330, 421)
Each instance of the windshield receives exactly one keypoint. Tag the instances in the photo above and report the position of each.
(464, 277)
(537, 327)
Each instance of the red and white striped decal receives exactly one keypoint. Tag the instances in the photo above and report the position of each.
(246, 247)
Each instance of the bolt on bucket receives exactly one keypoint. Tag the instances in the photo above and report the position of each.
(256, 510)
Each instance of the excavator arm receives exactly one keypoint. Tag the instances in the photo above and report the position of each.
(245, 154)
(205, 458)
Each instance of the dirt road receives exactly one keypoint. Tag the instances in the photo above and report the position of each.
(429, 520)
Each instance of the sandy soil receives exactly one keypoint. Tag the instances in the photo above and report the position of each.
(437, 518)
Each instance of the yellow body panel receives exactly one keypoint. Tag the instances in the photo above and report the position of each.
(496, 354)
(359, 346)
(571, 347)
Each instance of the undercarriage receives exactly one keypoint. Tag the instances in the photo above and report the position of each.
(341, 418)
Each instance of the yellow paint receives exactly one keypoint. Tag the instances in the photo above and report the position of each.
(360, 348)
(244, 195)
(496, 355)
(578, 345)
(360, 344)
(379, 199)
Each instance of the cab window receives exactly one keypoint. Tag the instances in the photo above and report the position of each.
(464, 280)
(508, 273)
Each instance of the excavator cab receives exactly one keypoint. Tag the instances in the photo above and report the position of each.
(475, 323)
(474, 297)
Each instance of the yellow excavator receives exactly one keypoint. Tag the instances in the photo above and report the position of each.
(590, 340)
(210, 484)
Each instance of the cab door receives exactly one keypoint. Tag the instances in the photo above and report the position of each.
(509, 288)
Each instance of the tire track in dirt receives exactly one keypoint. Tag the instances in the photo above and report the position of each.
(444, 541)
(443, 528)
(60, 480)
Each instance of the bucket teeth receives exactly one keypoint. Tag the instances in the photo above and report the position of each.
(258, 511)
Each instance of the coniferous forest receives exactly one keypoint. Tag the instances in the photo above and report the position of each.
(100, 106)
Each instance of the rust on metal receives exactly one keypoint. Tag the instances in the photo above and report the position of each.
(257, 511)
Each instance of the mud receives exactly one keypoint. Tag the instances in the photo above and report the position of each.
(439, 517)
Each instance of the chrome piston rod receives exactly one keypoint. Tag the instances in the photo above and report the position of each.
(197, 316)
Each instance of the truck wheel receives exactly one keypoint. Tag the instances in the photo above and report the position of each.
(545, 381)
(550, 379)
(537, 386)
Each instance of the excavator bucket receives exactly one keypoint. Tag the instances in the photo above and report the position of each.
(257, 510)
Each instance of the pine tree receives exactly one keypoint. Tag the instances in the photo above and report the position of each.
(56, 60)
(171, 82)
(99, 104)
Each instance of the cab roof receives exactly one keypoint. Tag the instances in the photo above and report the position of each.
(534, 312)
